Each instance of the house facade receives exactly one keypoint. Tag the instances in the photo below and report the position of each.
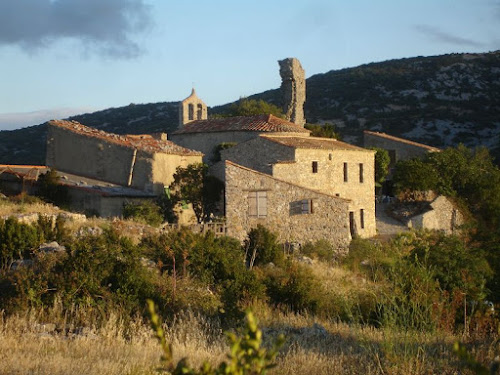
(327, 166)
(293, 212)
(136, 161)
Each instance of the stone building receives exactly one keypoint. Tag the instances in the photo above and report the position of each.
(191, 109)
(206, 135)
(295, 213)
(136, 161)
(440, 214)
(324, 165)
(398, 148)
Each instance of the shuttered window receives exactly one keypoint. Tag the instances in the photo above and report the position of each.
(257, 204)
(304, 206)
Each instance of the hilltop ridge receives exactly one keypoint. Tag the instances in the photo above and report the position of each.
(439, 100)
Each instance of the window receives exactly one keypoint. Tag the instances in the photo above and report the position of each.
(190, 112)
(257, 204)
(361, 177)
(304, 206)
(362, 218)
(199, 113)
(315, 166)
(345, 173)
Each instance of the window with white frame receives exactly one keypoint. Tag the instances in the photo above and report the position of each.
(304, 206)
(257, 204)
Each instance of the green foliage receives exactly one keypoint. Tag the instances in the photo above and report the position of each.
(323, 131)
(217, 262)
(247, 356)
(193, 185)
(295, 287)
(261, 247)
(415, 175)
(320, 249)
(468, 361)
(454, 265)
(382, 161)
(146, 212)
(17, 241)
(252, 107)
(51, 190)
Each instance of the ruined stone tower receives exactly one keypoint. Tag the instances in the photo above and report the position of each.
(293, 90)
(192, 108)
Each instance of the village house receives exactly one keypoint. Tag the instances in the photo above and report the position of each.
(136, 161)
(398, 148)
(323, 165)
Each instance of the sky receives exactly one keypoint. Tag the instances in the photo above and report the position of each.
(65, 57)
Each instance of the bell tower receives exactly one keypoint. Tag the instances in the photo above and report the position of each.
(192, 108)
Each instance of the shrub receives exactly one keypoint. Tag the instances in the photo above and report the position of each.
(262, 247)
(17, 240)
(321, 250)
(146, 212)
(51, 190)
(294, 287)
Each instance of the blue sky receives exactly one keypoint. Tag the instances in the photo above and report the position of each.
(63, 57)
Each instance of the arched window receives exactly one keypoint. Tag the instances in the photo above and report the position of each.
(191, 112)
(199, 113)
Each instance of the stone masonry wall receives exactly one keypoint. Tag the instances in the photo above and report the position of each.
(293, 90)
(329, 179)
(87, 156)
(402, 150)
(444, 216)
(258, 154)
(95, 158)
(329, 220)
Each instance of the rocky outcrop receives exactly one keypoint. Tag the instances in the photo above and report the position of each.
(293, 90)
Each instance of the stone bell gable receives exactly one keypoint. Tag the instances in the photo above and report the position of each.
(191, 109)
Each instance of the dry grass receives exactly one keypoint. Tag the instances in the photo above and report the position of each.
(8, 207)
(315, 347)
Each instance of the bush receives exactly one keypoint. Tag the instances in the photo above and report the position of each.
(294, 287)
(321, 250)
(262, 247)
(17, 241)
(146, 212)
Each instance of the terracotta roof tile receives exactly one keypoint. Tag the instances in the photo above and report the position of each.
(402, 140)
(313, 143)
(259, 123)
(143, 142)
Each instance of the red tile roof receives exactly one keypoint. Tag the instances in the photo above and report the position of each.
(143, 142)
(402, 140)
(313, 143)
(259, 123)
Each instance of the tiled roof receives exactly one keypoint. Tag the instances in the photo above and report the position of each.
(402, 140)
(313, 143)
(143, 142)
(259, 123)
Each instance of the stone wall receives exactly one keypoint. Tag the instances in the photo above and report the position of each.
(398, 148)
(192, 108)
(328, 220)
(443, 216)
(92, 157)
(329, 179)
(293, 90)
(258, 154)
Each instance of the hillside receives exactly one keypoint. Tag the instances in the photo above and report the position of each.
(440, 100)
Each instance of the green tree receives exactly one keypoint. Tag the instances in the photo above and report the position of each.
(323, 131)
(415, 175)
(252, 107)
(382, 161)
(193, 185)
(51, 190)
(262, 247)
